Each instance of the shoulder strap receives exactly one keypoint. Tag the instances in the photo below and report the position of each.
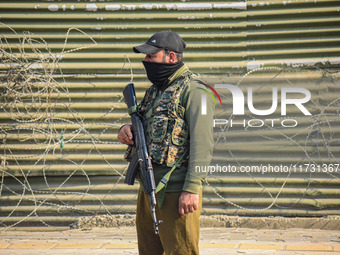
(161, 186)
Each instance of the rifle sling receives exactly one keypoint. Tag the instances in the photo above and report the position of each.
(161, 186)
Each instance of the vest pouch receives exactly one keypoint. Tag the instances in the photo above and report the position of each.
(160, 139)
(159, 128)
(179, 143)
(180, 132)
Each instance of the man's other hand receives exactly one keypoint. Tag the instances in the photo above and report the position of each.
(125, 135)
(188, 203)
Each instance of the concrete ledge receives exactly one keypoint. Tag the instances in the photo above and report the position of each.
(248, 246)
(119, 246)
(223, 221)
(4, 245)
(219, 245)
(336, 248)
(324, 223)
(276, 247)
(78, 246)
(32, 245)
(308, 248)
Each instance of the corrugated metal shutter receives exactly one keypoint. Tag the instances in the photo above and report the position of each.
(293, 32)
(62, 102)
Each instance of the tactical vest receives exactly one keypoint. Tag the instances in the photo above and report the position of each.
(166, 131)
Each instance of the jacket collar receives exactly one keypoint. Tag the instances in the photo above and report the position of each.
(175, 75)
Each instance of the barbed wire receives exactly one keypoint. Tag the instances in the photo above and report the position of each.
(32, 99)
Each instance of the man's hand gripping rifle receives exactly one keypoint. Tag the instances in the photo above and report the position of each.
(141, 161)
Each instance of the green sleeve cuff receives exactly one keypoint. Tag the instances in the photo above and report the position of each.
(192, 184)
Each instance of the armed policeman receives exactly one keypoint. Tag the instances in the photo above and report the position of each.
(179, 136)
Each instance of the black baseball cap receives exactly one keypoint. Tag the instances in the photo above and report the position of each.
(167, 40)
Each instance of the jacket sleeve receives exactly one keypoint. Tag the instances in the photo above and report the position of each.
(200, 133)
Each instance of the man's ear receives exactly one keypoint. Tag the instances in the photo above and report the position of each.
(172, 57)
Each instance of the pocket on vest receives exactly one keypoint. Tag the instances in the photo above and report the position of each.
(180, 132)
(159, 128)
(160, 139)
(179, 143)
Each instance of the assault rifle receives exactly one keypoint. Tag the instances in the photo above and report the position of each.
(141, 161)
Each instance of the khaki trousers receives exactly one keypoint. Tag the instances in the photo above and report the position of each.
(178, 235)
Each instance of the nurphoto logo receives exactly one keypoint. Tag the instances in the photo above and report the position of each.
(238, 99)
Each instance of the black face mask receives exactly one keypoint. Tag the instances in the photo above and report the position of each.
(158, 73)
